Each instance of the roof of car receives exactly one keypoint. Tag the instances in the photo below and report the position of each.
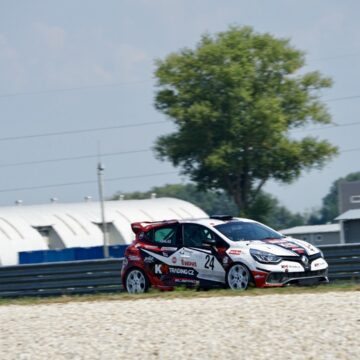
(210, 222)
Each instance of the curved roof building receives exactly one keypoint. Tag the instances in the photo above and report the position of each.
(58, 226)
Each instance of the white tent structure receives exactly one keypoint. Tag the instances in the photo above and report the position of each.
(58, 226)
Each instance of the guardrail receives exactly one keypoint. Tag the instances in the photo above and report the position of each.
(343, 260)
(94, 276)
(76, 277)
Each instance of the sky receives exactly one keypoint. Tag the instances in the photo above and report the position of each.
(69, 66)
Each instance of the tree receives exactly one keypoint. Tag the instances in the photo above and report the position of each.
(265, 209)
(330, 203)
(212, 202)
(234, 99)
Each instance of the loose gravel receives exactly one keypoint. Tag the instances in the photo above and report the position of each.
(294, 326)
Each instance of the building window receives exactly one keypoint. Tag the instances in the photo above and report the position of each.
(355, 199)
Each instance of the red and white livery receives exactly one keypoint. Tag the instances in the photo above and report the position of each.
(217, 251)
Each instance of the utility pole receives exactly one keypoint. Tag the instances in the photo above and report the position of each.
(100, 171)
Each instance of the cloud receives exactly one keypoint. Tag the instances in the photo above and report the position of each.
(12, 73)
(53, 37)
(6, 51)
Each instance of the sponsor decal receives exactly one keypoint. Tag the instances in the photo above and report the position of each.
(148, 247)
(181, 271)
(173, 260)
(188, 263)
(134, 258)
(149, 259)
(168, 248)
(161, 269)
(225, 260)
(186, 281)
(235, 252)
(287, 266)
(165, 254)
(165, 241)
(259, 276)
(286, 244)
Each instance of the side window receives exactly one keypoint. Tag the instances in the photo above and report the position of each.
(165, 236)
(194, 235)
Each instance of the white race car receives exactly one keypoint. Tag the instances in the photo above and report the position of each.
(217, 251)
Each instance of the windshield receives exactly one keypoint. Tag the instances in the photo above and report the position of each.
(238, 231)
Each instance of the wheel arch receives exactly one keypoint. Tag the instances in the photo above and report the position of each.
(251, 277)
(135, 267)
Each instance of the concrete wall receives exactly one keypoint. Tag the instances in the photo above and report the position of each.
(349, 195)
(352, 231)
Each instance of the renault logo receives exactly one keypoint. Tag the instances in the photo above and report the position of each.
(305, 260)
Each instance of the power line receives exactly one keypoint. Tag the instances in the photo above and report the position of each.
(80, 157)
(349, 150)
(343, 98)
(327, 127)
(88, 87)
(116, 153)
(79, 131)
(335, 57)
(85, 182)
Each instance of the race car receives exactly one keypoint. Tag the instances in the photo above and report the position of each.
(215, 252)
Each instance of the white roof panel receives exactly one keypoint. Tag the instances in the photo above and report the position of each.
(349, 215)
(311, 229)
(77, 224)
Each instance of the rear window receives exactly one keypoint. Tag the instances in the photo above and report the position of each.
(246, 231)
(167, 236)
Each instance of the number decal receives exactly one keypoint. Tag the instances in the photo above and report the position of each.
(209, 264)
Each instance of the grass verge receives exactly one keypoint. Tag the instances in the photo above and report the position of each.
(182, 293)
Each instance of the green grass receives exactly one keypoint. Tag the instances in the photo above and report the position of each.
(183, 294)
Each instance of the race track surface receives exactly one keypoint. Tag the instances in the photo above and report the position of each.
(296, 326)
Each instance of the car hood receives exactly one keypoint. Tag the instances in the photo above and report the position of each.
(285, 247)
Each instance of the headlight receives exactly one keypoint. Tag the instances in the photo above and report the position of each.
(264, 257)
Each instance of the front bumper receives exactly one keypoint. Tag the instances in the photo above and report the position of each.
(300, 278)
(291, 272)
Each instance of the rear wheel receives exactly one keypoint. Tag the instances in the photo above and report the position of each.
(136, 282)
(238, 277)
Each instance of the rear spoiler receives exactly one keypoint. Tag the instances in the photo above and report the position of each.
(138, 227)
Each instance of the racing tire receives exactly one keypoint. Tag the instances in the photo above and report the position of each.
(136, 282)
(238, 277)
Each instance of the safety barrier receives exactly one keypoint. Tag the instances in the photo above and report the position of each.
(70, 254)
(343, 260)
(93, 276)
(76, 277)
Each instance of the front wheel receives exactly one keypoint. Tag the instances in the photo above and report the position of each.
(136, 282)
(238, 277)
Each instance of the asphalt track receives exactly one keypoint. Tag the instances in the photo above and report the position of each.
(294, 326)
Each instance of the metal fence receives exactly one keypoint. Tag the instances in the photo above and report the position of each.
(76, 277)
(343, 260)
(92, 276)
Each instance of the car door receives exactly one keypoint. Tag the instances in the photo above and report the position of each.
(195, 254)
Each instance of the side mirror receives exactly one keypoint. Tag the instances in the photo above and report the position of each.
(211, 242)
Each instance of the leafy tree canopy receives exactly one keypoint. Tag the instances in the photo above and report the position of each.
(234, 99)
(266, 208)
